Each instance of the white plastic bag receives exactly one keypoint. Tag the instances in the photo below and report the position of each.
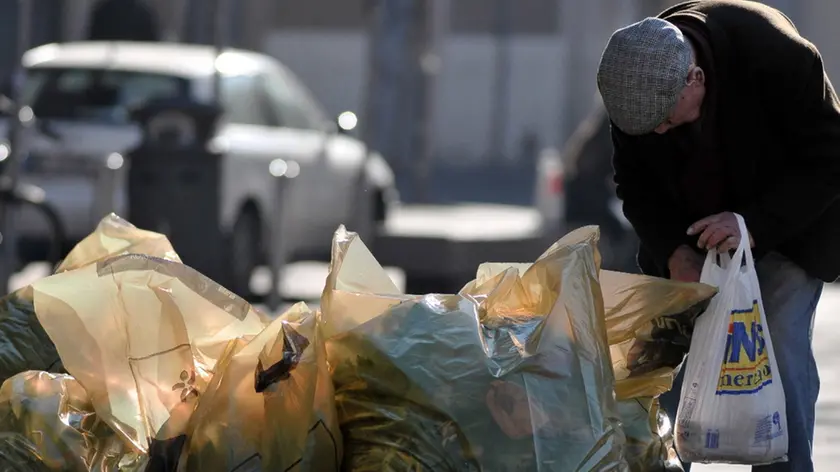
(732, 404)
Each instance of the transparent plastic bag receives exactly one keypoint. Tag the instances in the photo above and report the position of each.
(174, 371)
(49, 424)
(513, 376)
(24, 345)
(270, 404)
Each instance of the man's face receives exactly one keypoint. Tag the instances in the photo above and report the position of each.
(687, 109)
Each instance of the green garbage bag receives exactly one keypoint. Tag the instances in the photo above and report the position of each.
(24, 345)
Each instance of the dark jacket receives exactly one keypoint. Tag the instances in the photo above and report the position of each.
(778, 123)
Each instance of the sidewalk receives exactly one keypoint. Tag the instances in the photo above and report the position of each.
(827, 351)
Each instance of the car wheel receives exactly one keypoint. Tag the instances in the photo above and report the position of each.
(245, 248)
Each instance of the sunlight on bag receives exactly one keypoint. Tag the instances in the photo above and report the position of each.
(131, 327)
(648, 322)
(732, 404)
(169, 369)
(49, 424)
(516, 376)
(648, 327)
(269, 405)
(24, 345)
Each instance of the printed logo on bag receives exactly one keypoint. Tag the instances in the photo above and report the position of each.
(746, 364)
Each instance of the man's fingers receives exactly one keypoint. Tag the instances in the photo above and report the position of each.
(728, 244)
(703, 240)
(702, 224)
(718, 237)
(713, 236)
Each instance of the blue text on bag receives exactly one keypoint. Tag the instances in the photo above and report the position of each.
(746, 365)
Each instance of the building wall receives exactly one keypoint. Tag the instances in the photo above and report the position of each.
(818, 23)
(554, 47)
(330, 53)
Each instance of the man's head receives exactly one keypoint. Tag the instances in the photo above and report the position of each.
(649, 79)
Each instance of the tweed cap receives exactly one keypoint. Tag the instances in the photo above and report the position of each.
(643, 70)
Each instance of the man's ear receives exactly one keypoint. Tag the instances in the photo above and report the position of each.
(698, 75)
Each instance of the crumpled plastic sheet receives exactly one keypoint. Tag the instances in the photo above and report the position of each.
(493, 335)
(269, 406)
(648, 321)
(49, 424)
(24, 345)
(514, 377)
(170, 371)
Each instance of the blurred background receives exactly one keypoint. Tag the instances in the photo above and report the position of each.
(446, 132)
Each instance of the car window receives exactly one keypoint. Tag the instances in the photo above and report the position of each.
(291, 103)
(96, 95)
(242, 99)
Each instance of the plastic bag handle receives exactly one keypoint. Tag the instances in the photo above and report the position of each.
(744, 246)
(743, 254)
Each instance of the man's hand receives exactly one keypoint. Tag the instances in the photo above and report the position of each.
(685, 264)
(719, 232)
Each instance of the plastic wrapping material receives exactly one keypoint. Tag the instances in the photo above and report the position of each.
(142, 336)
(49, 424)
(170, 370)
(269, 406)
(648, 323)
(115, 236)
(515, 378)
(650, 438)
(645, 317)
(24, 345)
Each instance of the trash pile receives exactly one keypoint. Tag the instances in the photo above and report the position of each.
(128, 360)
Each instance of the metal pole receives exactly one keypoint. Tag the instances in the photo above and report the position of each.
(436, 17)
(23, 114)
(501, 82)
(374, 65)
(176, 25)
(220, 24)
(390, 50)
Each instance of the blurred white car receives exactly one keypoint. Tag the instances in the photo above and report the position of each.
(269, 117)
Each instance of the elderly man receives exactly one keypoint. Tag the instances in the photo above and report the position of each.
(721, 107)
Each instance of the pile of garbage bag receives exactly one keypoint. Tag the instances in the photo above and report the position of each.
(127, 360)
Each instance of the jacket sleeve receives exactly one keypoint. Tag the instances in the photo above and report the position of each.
(646, 203)
(795, 192)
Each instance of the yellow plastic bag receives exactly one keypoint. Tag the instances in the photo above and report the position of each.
(517, 378)
(48, 424)
(115, 236)
(269, 405)
(24, 345)
(142, 336)
(648, 322)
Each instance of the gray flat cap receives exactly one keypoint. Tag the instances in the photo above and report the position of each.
(643, 70)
